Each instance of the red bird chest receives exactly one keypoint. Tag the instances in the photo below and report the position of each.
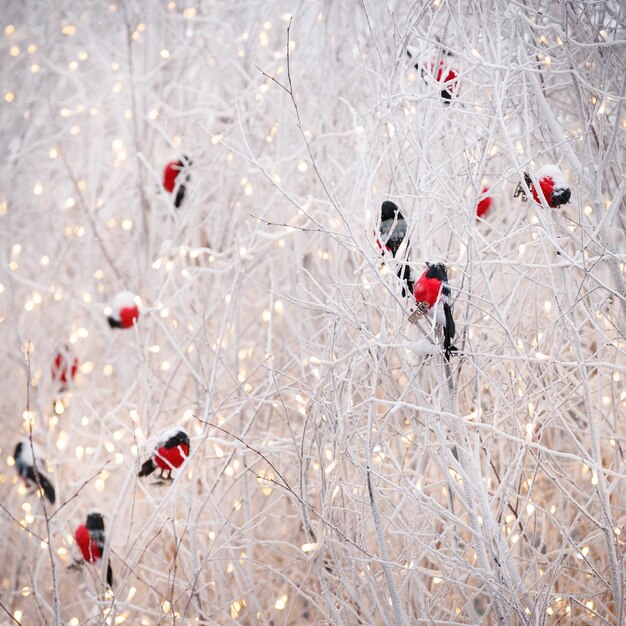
(170, 173)
(427, 290)
(547, 187)
(88, 547)
(128, 316)
(442, 73)
(167, 458)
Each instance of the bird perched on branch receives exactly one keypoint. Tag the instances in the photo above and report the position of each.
(552, 186)
(26, 467)
(392, 231)
(123, 310)
(440, 69)
(172, 177)
(170, 453)
(64, 367)
(432, 295)
(63, 371)
(91, 541)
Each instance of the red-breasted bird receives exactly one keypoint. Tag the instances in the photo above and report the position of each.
(432, 295)
(172, 178)
(26, 467)
(440, 69)
(484, 203)
(123, 310)
(91, 541)
(64, 367)
(170, 453)
(552, 186)
(392, 231)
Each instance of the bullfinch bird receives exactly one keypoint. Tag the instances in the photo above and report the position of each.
(25, 466)
(170, 453)
(484, 203)
(392, 231)
(90, 540)
(439, 68)
(432, 295)
(171, 178)
(64, 367)
(552, 186)
(123, 310)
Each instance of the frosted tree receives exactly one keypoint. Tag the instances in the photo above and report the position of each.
(340, 469)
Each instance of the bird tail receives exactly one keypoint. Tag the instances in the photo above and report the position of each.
(109, 575)
(147, 468)
(404, 273)
(39, 479)
(180, 195)
(449, 331)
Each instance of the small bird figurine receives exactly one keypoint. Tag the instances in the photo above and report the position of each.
(27, 469)
(63, 371)
(392, 230)
(91, 541)
(484, 204)
(171, 178)
(439, 68)
(123, 310)
(552, 186)
(432, 295)
(170, 453)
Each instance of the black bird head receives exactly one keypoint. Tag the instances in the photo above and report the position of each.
(560, 196)
(184, 161)
(389, 210)
(95, 521)
(437, 270)
(113, 323)
(178, 438)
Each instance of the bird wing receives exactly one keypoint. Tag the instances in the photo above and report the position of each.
(97, 537)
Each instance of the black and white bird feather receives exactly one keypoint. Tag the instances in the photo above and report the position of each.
(393, 233)
(28, 469)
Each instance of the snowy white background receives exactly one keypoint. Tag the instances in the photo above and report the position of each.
(338, 475)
